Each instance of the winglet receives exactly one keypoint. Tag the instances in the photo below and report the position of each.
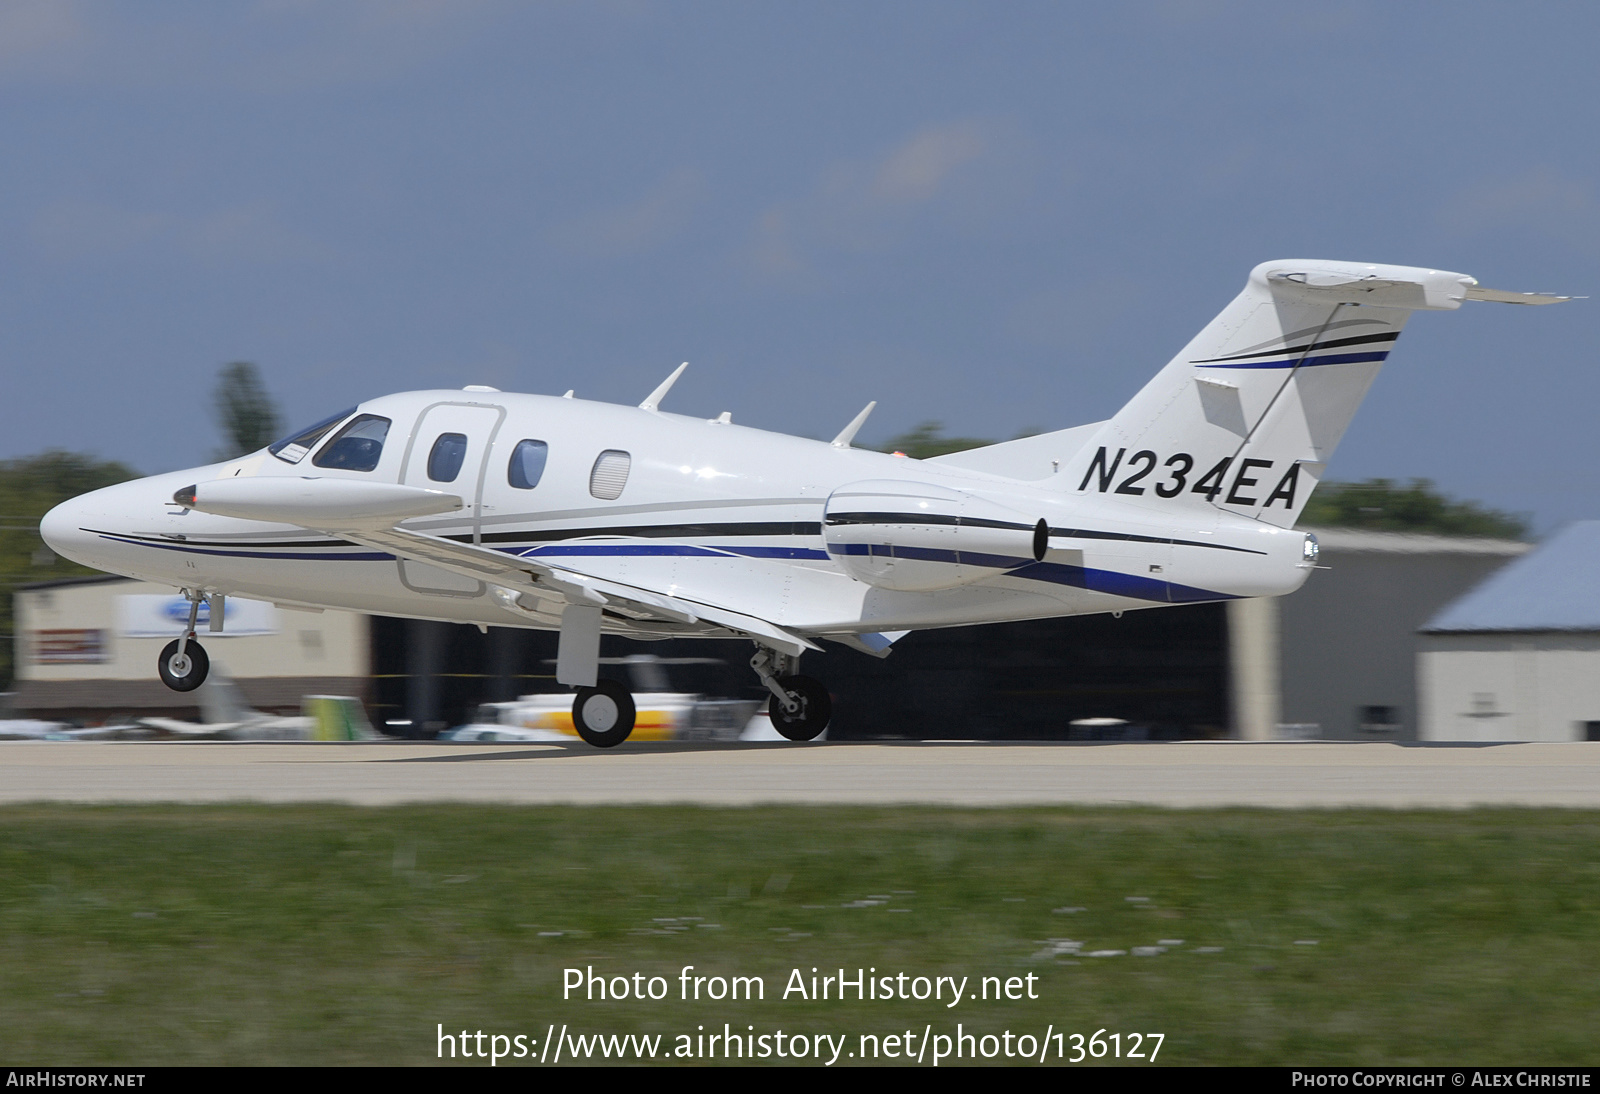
(654, 400)
(848, 433)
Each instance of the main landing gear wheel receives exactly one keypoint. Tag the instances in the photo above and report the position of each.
(186, 672)
(816, 707)
(603, 715)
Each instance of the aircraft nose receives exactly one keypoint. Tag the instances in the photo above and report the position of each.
(62, 529)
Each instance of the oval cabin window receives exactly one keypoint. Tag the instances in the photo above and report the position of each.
(444, 462)
(527, 464)
(610, 474)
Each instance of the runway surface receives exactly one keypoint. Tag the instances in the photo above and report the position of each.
(1181, 774)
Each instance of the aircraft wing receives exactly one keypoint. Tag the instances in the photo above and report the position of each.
(557, 583)
(370, 513)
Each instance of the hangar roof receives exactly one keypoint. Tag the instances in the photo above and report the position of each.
(1554, 588)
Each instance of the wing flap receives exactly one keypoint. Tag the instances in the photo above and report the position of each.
(560, 583)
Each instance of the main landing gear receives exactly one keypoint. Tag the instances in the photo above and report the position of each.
(604, 714)
(800, 706)
(183, 663)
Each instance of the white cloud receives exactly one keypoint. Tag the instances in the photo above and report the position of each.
(914, 171)
(272, 46)
(958, 171)
(1541, 199)
(32, 29)
(773, 252)
(639, 225)
(69, 231)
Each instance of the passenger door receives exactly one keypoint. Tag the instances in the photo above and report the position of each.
(448, 451)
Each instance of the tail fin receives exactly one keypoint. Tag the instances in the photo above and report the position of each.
(1248, 415)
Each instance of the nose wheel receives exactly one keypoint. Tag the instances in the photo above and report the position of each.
(183, 664)
(603, 715)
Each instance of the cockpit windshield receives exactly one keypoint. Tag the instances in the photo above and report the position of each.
(358, 445)
(293, 449)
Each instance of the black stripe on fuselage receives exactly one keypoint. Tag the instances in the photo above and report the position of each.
(1087, 533)
(1065, 533)
(1332, 343)
(922, 518)
(690, 531)
(655, 531)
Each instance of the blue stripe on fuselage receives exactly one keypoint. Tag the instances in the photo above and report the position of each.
(1111, 582)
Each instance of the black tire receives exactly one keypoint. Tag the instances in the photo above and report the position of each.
(816, 707)
(603, 715)
(188, 675)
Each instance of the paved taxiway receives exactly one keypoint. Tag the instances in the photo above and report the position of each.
(1218, 773)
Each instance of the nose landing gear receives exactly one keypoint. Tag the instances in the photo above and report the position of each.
(800, 705)
(183, 663)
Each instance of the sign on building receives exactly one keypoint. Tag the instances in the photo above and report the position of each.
(69, 647)
(142, 615)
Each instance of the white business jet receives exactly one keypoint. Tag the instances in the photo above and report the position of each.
(478, 506)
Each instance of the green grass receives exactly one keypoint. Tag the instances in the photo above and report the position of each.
(258, 934)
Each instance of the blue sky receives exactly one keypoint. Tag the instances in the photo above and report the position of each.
(999, 215)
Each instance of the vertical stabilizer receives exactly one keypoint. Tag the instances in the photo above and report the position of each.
(1248, 415)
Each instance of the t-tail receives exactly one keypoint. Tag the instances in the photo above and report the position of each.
(1246, 418)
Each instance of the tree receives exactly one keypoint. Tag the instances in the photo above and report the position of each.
(29, 488)
(246, 414)
(928, 439)
(1382, 505)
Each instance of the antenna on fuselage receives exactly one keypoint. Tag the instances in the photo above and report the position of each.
(568, 395)
(654, 400)
(848, 433)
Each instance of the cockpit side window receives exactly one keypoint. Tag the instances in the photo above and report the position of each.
(358, 445)
(293, 449)
(444, 461)
(527, 464)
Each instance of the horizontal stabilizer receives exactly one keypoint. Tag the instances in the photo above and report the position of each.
(1500, 296)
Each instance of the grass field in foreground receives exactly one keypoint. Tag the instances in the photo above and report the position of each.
(325, 934)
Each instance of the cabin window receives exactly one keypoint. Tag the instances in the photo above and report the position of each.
(293, 449)
(444, 462)
(610, 474)
(357, 447)
(527, 464)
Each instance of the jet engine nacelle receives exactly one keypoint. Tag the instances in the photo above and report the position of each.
(919, 537)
